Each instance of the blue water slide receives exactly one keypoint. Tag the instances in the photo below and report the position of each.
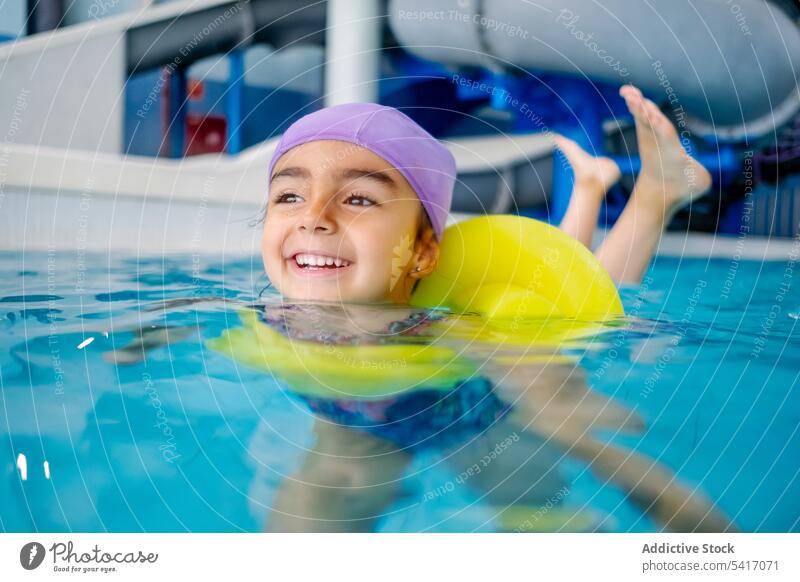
(731, 67)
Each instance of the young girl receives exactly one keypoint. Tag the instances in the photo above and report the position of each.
(359, 195)
(358, 200)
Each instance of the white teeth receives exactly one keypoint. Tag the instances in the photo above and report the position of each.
(320, 261)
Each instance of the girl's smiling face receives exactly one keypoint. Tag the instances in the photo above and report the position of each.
(342, 224)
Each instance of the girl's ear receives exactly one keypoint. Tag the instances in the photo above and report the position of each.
(426, 251)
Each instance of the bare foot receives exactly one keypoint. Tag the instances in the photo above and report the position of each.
(668, 172)
(596, 172)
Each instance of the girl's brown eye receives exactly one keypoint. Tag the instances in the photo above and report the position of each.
(362, 197)
(282, 197)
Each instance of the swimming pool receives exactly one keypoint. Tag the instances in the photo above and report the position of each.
(188, 440)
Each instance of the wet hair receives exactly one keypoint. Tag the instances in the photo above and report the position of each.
(425, 223)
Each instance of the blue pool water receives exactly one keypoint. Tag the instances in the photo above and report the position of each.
(153, 431)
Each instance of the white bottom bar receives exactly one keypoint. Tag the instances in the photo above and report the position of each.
(400, 557)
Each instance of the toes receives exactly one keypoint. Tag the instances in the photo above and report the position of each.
(646, 113)
(650, 112)
(560, 141)
(642, 115)
(636, 105)
(654, 114)
(563, 142)
(568, 147)
(630, 90)
(660, 122)
(628, 94)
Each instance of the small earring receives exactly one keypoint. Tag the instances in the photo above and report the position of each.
(418, 268)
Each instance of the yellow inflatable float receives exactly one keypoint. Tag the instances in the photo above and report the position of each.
(506, 266)
(535, 288)
(341, 371)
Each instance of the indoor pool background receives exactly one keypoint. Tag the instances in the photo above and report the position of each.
(709, 362)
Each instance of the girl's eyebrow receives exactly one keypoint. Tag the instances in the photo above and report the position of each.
(377, 175)
(344, 174)
(292, 172)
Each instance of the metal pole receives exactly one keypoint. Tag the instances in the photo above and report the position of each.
(353, 51)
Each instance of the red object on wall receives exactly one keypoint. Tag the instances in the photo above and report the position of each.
(205, 134)
(196, 90)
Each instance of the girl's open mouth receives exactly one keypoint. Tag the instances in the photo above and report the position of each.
(317, 265)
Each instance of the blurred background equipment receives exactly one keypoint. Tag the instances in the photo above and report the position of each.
(182, 102)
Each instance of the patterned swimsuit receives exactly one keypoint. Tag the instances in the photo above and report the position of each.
(422, 418)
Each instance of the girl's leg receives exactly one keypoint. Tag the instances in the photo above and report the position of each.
(344, 484)
(650, 485)
(669, 180)
(593, 177)
(554, 402)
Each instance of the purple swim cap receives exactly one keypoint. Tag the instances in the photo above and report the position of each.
(428, 165)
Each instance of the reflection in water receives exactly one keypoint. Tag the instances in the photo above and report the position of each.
(426, 422)
(503, 431)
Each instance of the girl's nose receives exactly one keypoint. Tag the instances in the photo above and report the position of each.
(317, 218)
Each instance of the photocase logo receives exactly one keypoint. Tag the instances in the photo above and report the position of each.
(31, 555)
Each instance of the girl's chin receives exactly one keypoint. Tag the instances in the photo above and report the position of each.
(315, 291)
(301, 292)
